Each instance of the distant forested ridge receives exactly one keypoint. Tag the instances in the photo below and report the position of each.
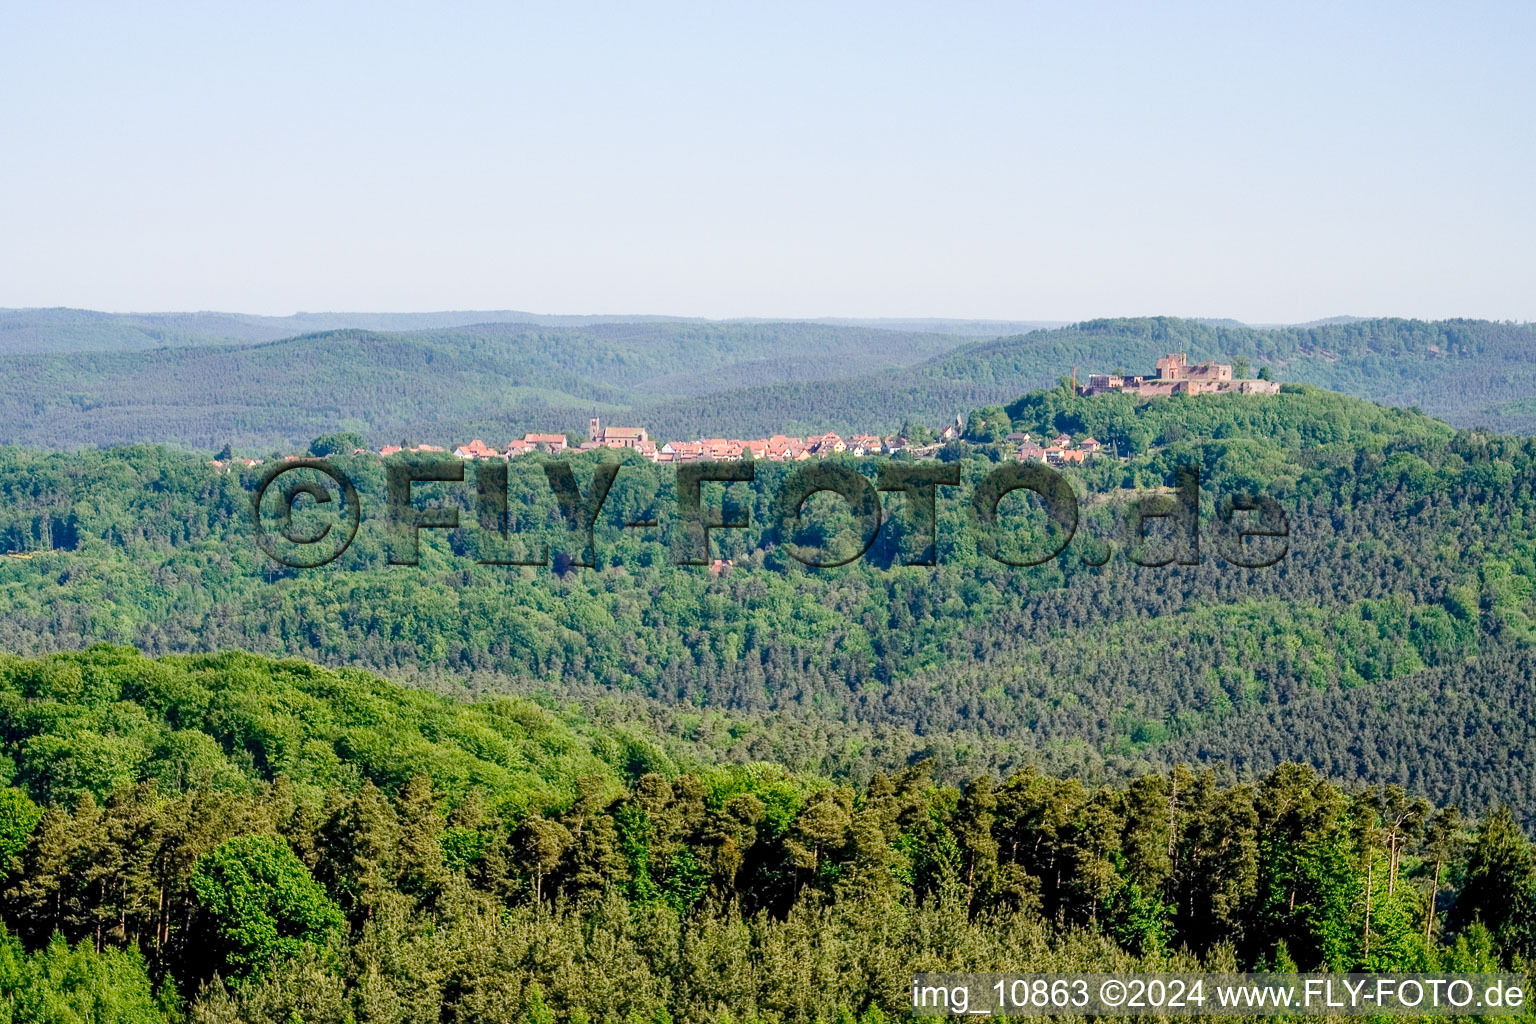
(61, 329)
(228, 838)
(495, 381)
(441, 380)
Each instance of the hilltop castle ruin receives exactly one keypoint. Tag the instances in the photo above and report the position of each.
(1175, 376)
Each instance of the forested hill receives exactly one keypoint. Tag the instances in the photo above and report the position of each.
(496, 381)
(234, 839)
(689, 379)
(1467, 372)
(1408, 585)
(110, 719)
(652, 793)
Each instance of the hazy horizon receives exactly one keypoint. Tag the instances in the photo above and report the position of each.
(852, 319)
(1269, 164)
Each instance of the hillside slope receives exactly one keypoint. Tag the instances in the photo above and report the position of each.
(234, 721)
(685, 379)
(1411, 552)
(1468, 372)
(226, 838)
(37, 331)
(492, 380)
(1464, 371)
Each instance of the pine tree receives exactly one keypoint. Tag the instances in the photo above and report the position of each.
(1500, 888)
(360, 842)
(420, 869)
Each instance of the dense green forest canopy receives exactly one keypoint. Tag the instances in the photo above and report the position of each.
(445, 381)
(510, 864)
(1391, 644)
(638, 792)
(109, 718)
(237, 839)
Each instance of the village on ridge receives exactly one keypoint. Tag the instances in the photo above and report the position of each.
(1174, 376)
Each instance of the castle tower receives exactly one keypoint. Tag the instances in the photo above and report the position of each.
(1171, 367)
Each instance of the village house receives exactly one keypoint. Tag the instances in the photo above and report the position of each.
(826, 444)
(1055, 456)
(1031, 452)
(1090, 446)
(546, 442)
(785, 449)
(477, 449)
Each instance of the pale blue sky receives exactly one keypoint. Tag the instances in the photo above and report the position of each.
(1030, 161)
